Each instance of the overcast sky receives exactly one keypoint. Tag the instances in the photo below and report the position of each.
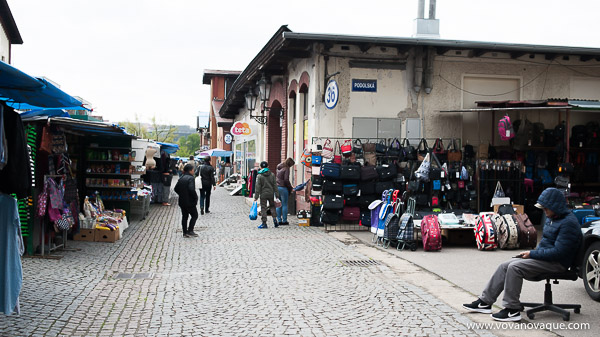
(146, 57)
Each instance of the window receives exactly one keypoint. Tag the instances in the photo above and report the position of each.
(376, 127)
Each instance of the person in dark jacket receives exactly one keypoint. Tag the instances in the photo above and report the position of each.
(555, 253)
(266, 189)
(285, 188)
(207, 174)
(186, 189)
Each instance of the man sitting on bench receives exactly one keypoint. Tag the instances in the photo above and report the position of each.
(554, 254)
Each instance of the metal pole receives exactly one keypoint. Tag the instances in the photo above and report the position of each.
(432, 9)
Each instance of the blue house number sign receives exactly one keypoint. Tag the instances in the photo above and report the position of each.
(331, 94)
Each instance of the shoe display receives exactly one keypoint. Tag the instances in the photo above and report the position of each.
(192, 234)
(478, 306)
(507, 315)
(263, 225)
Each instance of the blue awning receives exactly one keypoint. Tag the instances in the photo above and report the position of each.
(44, 112)
(168, 147)
(22, 91)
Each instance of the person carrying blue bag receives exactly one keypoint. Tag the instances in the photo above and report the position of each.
(266, 190)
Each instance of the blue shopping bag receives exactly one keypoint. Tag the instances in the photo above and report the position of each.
(254, 211)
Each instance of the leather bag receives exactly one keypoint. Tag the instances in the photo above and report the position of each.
(422, 149)
(381, 147)
(410, 153)
(454, 153)
(327, 149)
(368, 173)
(350, 172)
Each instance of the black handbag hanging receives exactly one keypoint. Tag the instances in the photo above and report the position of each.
(333, 202)
(330, 217)
(350, 189)
(332, 186)
(386, 171)
(395, 150)
(366, 187)
(381, 186)
(380, 147)
(368, 173)
(357, 146)
(410, 153)
(422, 149)
(350, 172)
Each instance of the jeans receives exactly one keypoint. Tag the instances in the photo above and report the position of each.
(205, 198)
(283, 210)
(185, 212)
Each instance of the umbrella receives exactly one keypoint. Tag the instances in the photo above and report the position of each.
(216, 152)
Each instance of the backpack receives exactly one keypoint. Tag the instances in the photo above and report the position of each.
(523, 135)
(578, 136)
(485, 232)
(431, 233)
(505, 128)
(527, 233)
(538, 134)
(508, 233)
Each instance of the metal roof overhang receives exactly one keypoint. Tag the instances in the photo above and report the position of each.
(506, 109)
(87, 127)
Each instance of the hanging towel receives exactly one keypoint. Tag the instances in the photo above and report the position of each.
(11, 249)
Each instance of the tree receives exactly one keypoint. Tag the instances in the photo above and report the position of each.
(161, 132)
(136, 128)
(188, 145)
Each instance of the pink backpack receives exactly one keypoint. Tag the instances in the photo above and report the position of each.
(431, 233)
(505, 128)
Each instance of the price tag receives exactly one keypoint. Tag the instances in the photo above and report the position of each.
(529, 142)
(457, 175)
(443, 174)
(443, 187)
(507, 133)
(580, 144)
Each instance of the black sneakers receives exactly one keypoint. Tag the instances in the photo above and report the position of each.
(186, 235)
(192, 234)
(479, 306)
(507, 315)
(275, 223)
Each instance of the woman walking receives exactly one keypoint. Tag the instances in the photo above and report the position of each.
(266, 187)
(285, 188)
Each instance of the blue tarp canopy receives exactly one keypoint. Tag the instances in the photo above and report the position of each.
(216, 152)
(45, 112)
(168, 147)
(22, 91)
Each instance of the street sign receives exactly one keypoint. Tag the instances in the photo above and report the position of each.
(331, 94)
(364, 85)
(228, 138)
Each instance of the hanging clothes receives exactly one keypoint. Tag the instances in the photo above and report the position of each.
(15, 177)
(3, 146)
(11, 249)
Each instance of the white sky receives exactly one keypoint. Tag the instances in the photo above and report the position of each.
(146, 57)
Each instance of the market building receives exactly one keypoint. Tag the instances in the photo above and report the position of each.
(338, 87)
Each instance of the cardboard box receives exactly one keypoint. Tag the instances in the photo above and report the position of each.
(519, 209)
(85, 234)
(106, 235)
(303, 222)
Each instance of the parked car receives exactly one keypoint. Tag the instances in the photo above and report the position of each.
(590, 259)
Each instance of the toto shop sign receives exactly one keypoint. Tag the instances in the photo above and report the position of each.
(364, 85)
(241, 129)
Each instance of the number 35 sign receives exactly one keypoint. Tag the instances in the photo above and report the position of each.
(331, 94)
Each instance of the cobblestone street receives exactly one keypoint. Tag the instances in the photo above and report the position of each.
(234, 280)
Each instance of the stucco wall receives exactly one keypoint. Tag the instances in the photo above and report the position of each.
(4, 46)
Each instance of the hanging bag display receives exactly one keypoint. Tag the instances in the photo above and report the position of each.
(333, 202)
(350, 172)
(370, 158)
(316, 160)
(55, 193)
(330, 171)
(485, 232)
(327, 151)
(422, 149)
(42, 203)
(505, 128)
(410, 153)
(386, 172)
(337, 153)
(454, 154)
(357, 146)
(381, 147)
(346, 147)
(368, 173)
(422, 172)
(368, 147)
(440, 151)
(395, 150)
(306, 158)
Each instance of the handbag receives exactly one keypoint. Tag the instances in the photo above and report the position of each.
(357, 146)
(337, 153)
(346, 147)
(422, 172)
(198, 182)
(42, 203)
(395, 151)
(63, 222)
(380, 147)
(370, 158)
(386, 172)
(327, 151)
(315, 170)
(454, 154)
(351, 214)
(330, 170)
(381, 186)
(332, 186)
(440, 151)
(54, 192)
(350, 172)
(366, 187)
(350, 189)
(317, 183)
(316, 160)
(422, 149)
(368, 147)
(333, 202)
(46, 142)
(410, 153)
(368, 173)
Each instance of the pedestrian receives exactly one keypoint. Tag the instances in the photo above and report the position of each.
(186, 189)
(180, 166)
(227, 170)
(266, 189)
(554, 254)
(165, 159)
(207, 174)
(221, 171)
(192, 161)
(285, 188)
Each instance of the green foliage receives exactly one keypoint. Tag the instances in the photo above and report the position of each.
(188, 145)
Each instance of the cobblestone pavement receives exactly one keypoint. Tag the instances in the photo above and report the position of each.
(234, 280)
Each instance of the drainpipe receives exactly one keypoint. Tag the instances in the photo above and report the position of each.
(428, 80)
(431, 9)
(418, 79)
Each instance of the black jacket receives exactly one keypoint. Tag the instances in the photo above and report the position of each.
(207, 173)
(186, 189)
(15, 177)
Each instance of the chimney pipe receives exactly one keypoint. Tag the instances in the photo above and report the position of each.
(421, 10)
(432, 9)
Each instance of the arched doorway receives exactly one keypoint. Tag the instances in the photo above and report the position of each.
(274, 140)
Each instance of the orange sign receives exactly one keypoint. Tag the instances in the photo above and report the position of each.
(241, 129)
